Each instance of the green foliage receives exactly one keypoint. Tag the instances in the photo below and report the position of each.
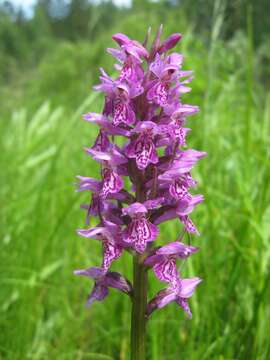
(41, 303)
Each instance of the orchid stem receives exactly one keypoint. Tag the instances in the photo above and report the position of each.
(138, 318)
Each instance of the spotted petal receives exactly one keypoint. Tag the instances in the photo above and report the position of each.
(143, 150)
(111, 252)
(139, 232)
(158, 93)
(112, 183)
(166, 270)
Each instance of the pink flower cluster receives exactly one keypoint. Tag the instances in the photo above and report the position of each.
(143, 107)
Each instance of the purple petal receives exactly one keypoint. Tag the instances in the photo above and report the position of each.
(170, 42)
(117, 281)
(175, 59)
(185, 110)
(189, 225)
(106, 125)
(87, 183)
(121, 39)
(102, 142)
(143, 150)
(176, 248)
(145, 125)
(178, 190)
(153, 204)
(184, 305)
(187, 205)
(162, 298)
(118, 54)
(92, 272)
(188, 286)
(158, 93)
(133, 209)
(98, 155)
(139, 232)
(98, 293)
(153, 259)
(193, 155)
(112, 227)
(111, 252)
(157, 66)
(93, 233)
(123, 113)
(112, 183)
(113, 155)
(166, 271)
(165, 216)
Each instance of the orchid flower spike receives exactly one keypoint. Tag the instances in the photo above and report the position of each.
(145, 182)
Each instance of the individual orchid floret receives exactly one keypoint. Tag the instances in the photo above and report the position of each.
(178, 209)
(179, 294)
(131, 47)
(87, 183)
(143, 149)
(111, 239)
(111, 183)
(139, 231)
(104, 281)
(105, 124)
(122, 109)
(119, 98)
(130, 66)
(165, 73)
(112, 155)
(163, 260)
(183, 163)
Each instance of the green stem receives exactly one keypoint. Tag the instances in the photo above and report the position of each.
(138, 319)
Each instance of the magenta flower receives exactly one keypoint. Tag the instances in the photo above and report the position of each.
(110, 235)
(104, 281)
(144, 182)
(179, 294)
(163, 260)
(140, 231)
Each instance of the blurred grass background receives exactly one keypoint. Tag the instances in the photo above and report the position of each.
(49, 60)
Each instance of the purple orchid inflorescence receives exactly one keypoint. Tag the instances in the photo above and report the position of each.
(147, 180)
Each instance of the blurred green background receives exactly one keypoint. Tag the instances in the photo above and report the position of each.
(49, 60)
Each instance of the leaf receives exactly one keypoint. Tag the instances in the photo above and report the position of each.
(49, 269)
